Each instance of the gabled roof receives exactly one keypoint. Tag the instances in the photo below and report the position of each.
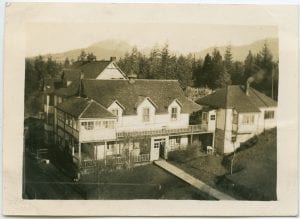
(84, 108)
(91, 69)
(234, 96)
(161, 92)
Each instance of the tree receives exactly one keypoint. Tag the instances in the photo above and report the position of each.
(237, 73)
(91, 57)
(250, 67)
(82, 56)
(219, 77)
(204, 72)
(228, 63)
(67, 63)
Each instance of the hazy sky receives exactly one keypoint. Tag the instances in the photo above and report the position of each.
(42, 38)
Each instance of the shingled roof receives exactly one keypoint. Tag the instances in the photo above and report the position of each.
(90, 69)
(234, 96)
(161, 92)
(84, 108)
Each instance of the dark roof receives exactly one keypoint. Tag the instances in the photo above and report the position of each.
(161, 92)
(90, 69)
(234, 96)
(84, 108)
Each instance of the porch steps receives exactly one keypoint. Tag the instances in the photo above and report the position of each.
(192, 180)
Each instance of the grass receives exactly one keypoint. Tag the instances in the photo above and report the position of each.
(254, 176)
(259, 173)
(143, 182)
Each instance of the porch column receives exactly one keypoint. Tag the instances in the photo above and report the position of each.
(213, 140)
(73, 150)
(79, 151)
(105, 147)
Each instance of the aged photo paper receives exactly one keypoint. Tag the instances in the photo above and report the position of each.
(150, 110)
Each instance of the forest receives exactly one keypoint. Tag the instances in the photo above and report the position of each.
(211, 72)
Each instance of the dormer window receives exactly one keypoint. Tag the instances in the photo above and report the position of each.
(146, 114)
(116, 113)
(174, 113)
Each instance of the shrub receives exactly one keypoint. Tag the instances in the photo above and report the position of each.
(179, 156)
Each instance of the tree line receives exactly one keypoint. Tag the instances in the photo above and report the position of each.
(214, 72)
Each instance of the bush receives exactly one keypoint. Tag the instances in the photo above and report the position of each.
(179, 156)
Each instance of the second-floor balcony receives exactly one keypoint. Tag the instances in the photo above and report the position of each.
(191, 129)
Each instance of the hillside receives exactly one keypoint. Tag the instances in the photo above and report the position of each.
(240, 52)
(102, 50)
(108, 48)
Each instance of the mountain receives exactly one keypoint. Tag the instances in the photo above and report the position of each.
(239, 53)
(108, 48)
(102, 50)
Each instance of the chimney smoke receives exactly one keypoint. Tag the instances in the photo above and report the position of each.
(249, 81)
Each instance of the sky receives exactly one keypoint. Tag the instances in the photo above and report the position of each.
(43, 38)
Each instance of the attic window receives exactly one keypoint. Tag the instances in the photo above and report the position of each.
(146, 115)
(174, 112)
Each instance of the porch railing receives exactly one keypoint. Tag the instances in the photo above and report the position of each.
(114, 160)
(163, 131)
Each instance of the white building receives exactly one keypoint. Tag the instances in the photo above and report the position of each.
(240, 113)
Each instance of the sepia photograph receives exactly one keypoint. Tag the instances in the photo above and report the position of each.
(138, 110)
(151, 117)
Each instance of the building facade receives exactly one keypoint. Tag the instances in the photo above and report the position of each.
(241, 113)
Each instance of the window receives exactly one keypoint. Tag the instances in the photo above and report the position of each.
(146, 115)
(269, 114)
(212, 117)
(174, 113)
(88, 125)
(116, 113)
(98, 124)
(248, 119)
(108, 124)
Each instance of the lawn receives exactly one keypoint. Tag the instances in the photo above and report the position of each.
(254, 176)
(143, 182)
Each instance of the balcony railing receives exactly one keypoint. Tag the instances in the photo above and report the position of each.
(164, 131)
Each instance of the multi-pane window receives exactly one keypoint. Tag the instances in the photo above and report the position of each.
(212, 117)
(116, 113)
(269, 114)
(98, 124)
(174, 112)
(248, 119)
(88, 125)
(108, 124)
(146, 115)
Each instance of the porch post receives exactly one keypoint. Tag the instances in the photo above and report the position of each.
(72, 150)
(79, 151)
(105, 147)
(213, 140)
(191, 139)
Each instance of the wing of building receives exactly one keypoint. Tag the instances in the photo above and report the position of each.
(123, 119)
(241, 112)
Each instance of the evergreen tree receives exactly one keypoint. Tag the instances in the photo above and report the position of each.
(250, 67)
(228, 61)
(219, 77)
(82, 56)
(67, 63)
(91, 57)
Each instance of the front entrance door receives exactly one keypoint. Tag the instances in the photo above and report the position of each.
(162, 145)
(158, 148)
